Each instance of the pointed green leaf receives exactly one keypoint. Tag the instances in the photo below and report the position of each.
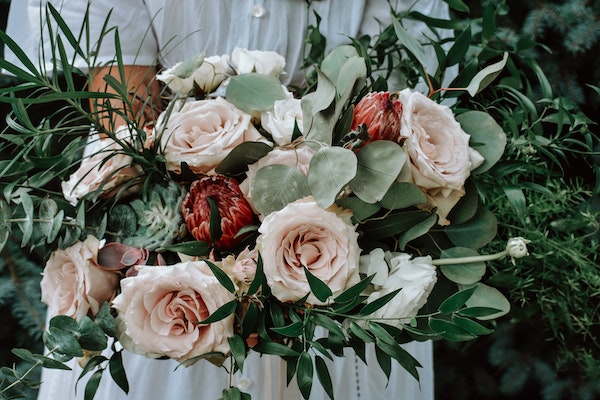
(294, 329)
(117, 371)
(331, 168)
(5, 214)
(324, 376)
(456, 301)
(241, 156)
(221, 313)
(361, 333)
(411, 44)
(221, 276)
(471, 326)
(238, 350)
(354, 291)
(193, 248)
(479, 312)
(457, 52)
(276, 349)
(328, 323)
(450, 331)
(317, 286)
(304, 374)
(484, 77)
(417, 230)
(215, 221)
(92, 385)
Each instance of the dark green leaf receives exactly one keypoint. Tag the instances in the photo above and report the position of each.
(327, 323)
(294, 329)
(393, 224)
(317, 286)
(91, 365)
(117, 371)
(92, 385)
(241, 156)
(221, 313)
(475, 233)
(215, 221)
(417, 230)
(457, 5)
(407, 361)
(259, 277)
(456, 301)
(221, 276)
(449, 330)
(193, 248)
(402, 195)
(276, 349)
(478, 312)
(92, 336)
(324, 377)
(304, 374)
(457, 52)
(471, 326)
(378, 303)
(384, 360)
(238, 350)
(360, 333)
(105, 320)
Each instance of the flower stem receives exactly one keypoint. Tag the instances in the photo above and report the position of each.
(472, 259)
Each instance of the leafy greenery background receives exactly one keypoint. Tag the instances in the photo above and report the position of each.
(546, 190)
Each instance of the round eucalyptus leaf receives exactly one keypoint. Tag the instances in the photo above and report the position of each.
(47, 210)
(379, 164)
(402, 195)
(334, 62)
(489, 297)
(331, 168)
(462, 273)
(360, 209)
(476, 232)
(466, 207)
(275, 186)
(254, 92)
(487, 137)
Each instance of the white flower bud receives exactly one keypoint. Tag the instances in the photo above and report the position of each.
(517, 248)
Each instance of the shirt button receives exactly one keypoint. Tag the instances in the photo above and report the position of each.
(257, 11)
(244, 383)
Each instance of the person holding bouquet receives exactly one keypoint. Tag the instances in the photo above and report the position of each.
(156, 35)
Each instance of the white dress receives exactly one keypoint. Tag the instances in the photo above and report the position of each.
(172, 30)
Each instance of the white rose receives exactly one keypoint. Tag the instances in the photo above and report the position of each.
(281, 119)
(440, 157)
(202, 133)
(159, 310)
(104, 167)
(207, 73)
(73, 284)
(305, 235)
(416, 277)
(297, 156)
(261, 62)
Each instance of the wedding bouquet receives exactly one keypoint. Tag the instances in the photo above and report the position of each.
(252, 218)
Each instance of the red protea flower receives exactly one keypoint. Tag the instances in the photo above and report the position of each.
(233, 208)
(381, 113)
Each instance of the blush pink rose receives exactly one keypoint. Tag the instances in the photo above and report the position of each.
(159, 310)
(73, 284)
(104, 167)
(202, 133)
(440, 157)
(305, 235)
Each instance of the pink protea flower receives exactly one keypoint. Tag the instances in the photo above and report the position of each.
(233, 208)
(381, 113)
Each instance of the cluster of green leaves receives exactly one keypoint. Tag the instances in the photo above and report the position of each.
(545, 188)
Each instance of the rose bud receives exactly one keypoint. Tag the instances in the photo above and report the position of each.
(234, 210)
(380, 112)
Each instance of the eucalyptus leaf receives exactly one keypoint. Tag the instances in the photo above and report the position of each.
(487, 137)
(62, 343)
(360, 209)
(402, 195)
(92, 336)
(475, 233)
(465, 273)
(331, 168)
(275, 186)
(27, 225)
(335, 61)
(484, 77)
(254, 92)
(5, 214)
(379, 164)
(417, 230)
(487, 296)
(351, 79)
